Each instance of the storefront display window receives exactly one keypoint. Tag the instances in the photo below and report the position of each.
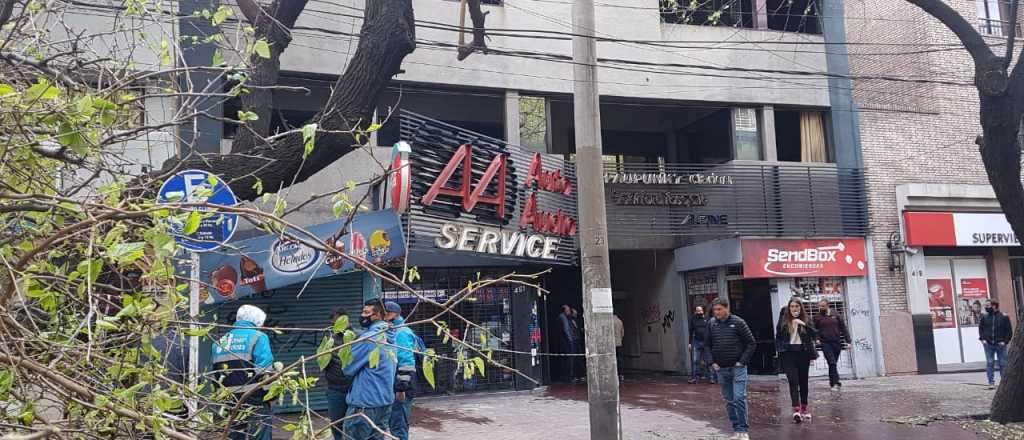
(702, 288)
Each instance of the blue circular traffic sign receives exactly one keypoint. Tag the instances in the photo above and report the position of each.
(197, 186)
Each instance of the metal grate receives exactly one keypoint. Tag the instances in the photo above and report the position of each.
(833, 289)
(490, 308)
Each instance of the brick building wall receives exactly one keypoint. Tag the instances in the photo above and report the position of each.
(909, 132)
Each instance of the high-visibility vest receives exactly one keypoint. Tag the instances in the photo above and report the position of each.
(234, 364)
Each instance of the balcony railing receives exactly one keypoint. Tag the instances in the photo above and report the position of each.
(997, 28)
(734, 199)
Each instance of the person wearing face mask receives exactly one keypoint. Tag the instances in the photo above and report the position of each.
(834, 339)
(407, 344)
(698, 331)
(338, 384)
(373, 377)
(995, 332)
(794, 340)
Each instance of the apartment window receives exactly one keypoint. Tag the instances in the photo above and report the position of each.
(794, 16)
(745, 134)
(733, 13)
(800, 136)
(993, 17)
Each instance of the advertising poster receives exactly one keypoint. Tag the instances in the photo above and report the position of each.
(973, 293)
(940, 301)
(248, 267)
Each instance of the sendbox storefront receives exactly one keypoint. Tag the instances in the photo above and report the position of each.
(759, 275)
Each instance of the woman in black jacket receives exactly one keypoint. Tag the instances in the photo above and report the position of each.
(794, 340)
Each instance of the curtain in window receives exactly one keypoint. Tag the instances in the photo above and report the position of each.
(812, 138)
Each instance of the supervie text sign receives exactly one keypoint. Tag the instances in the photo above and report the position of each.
(780, 258)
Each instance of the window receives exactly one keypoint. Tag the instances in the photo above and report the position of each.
(794, 16)
(800, 136)
(533, 123)
(993, 17)
(745, 135)
(733, 13)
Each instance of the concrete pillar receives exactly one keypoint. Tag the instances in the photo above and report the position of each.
(1001, 278)
(768, 144)
(761, 14)
(860, 319)
(512, 117)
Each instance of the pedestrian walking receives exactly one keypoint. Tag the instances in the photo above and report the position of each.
(794, 340)
(406, 345)
(834, 338)
(338, 384)
(241, 360)
(571, 342)
(700, 367)
(730, 345)
(373, 377)
(995, 332)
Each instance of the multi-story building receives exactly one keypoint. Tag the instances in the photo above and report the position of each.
(942, 245)
(732, 167)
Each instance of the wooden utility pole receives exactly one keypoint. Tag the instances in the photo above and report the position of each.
(602, 377)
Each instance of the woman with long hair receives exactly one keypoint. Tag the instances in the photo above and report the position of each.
(794, 340)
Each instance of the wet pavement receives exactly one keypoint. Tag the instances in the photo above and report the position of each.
(666, 407)
(659, 407)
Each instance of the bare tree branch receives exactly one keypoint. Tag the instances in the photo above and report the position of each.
(1012, 37)
(387, 36)
(478, 17)
(967, 34)
(272, 24)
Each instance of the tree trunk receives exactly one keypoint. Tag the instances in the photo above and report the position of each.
(274, 25)
(1001, 153)
(387, 36)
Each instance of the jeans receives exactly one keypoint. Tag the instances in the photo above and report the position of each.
(573, 362)
(258, 426)
(336, 409)
(992, 350)
(796, 365)
(700, 368)
(358, 428)
(733, 381)
(832, 350)
(401, 413)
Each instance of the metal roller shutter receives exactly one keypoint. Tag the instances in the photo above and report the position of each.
(311, 310)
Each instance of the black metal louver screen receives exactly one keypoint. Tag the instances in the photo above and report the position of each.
(728, 200)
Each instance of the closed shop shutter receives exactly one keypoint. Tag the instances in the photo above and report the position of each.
(310, 310)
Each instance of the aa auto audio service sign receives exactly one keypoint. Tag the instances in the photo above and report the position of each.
(780, 258)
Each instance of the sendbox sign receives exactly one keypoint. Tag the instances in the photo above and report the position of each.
(782, 258)
(248, 267)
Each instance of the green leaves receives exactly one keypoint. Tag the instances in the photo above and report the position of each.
(261, 48)
(218, 58)
(326, 344)
(341, 324)
(375, 357)
(126, 253)
(223, 12)
(428, 367)
(6, 382)
(6, 89)
(42, 90)
(308, 139)
(192, 223)
(245, 116)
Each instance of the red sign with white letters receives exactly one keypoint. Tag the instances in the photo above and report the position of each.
(781, 258)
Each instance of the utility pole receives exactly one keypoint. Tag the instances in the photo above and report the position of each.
(602, 377)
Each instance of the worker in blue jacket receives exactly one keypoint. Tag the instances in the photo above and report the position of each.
(372, 390)
(406, 345)
(241, 360)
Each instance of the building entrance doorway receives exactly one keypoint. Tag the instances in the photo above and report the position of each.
(752, 301)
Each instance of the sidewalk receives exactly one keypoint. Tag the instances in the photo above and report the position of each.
(665, 407)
